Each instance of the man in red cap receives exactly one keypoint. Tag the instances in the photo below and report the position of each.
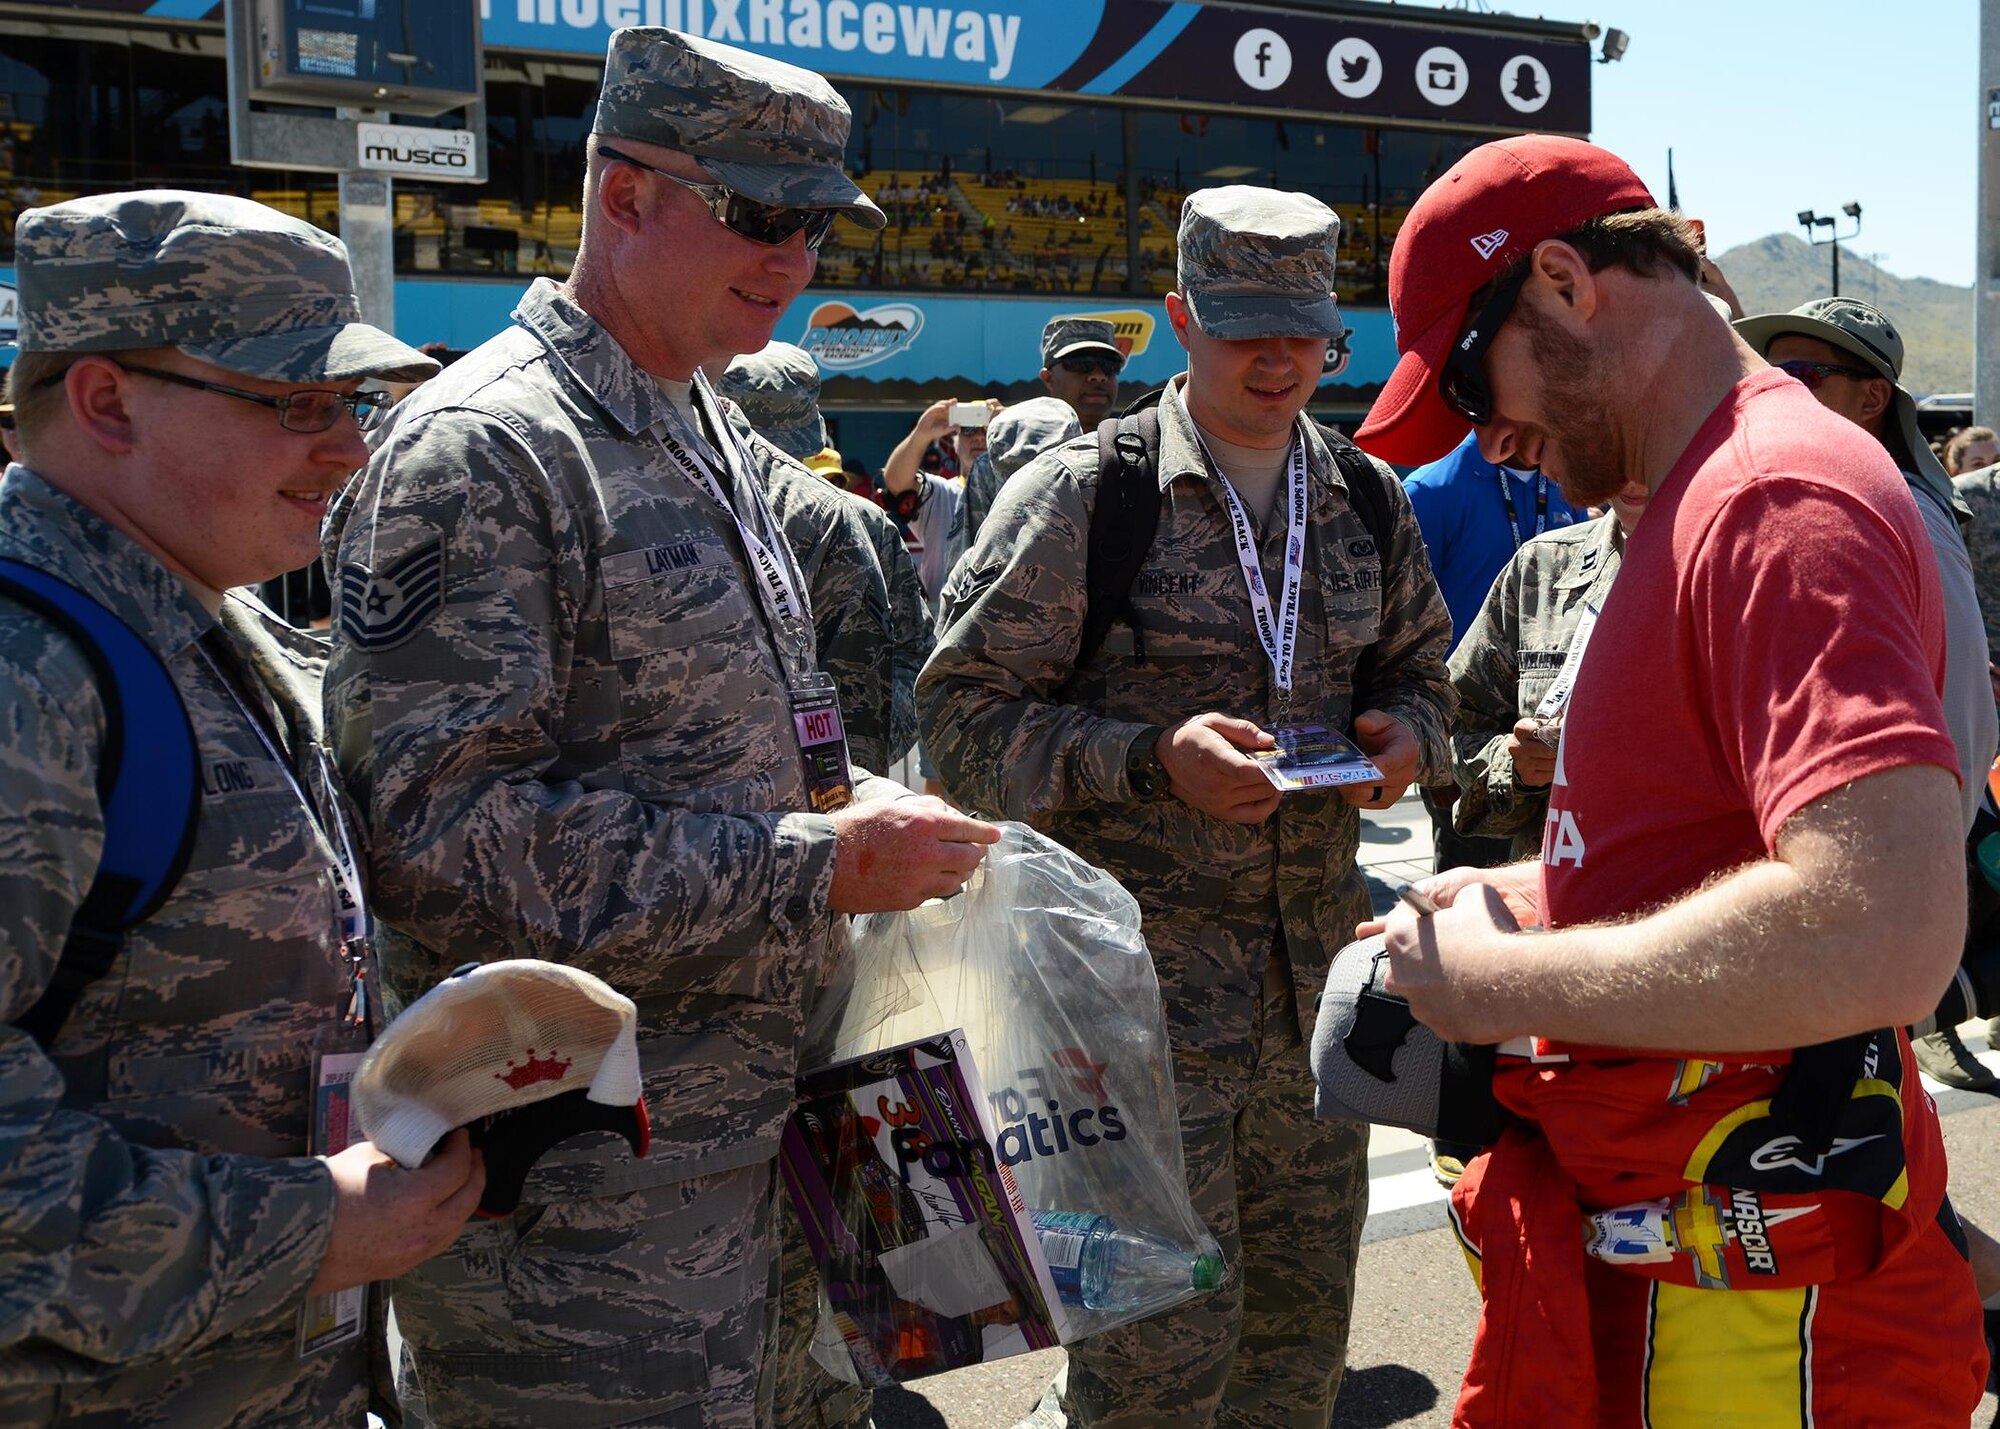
(1722, 1196)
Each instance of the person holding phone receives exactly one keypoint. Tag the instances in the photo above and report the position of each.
(926, 501)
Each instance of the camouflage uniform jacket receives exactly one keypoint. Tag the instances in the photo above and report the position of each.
(845, 586)
(1017, 730)
(1508, 660)
(1980, 490)
(159, 1217)
(909, 623)
(586, 754)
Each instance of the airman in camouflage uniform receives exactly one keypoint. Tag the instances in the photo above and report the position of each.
(775, 394)
(1015, 437)
(577, 742)
(163, 1219)
(1506, 663)
(1245, 896)
(1980, 492)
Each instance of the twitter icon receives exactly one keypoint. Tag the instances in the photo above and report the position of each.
(1354, 68)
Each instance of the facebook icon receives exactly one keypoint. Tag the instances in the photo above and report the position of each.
(1263, 59)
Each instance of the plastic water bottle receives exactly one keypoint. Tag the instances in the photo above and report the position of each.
(1101, 1267)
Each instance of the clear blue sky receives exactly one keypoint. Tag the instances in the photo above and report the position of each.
(1773, 106)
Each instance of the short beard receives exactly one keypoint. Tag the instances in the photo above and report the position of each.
(1585, 434)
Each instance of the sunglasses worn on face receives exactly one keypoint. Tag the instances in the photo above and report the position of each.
(745, 217)
(1461, 383)
(1084, 366)
(307, 412)
(1813, 374)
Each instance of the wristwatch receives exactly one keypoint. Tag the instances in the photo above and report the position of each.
(1143, 767)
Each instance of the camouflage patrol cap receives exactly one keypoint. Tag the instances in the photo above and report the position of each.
(778, 390)
(1064, 336)
(771, 131)
(224, 279)
(1022, 432)
(1256, 262)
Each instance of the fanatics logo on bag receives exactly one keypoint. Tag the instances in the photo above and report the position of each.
(381, 610)
(1487, 244)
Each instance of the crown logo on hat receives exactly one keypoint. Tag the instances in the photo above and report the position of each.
(535, 1069)
(1487, 244)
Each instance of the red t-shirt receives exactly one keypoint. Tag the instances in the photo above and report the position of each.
(1776, 631)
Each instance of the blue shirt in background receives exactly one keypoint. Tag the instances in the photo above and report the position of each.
(1462, 512)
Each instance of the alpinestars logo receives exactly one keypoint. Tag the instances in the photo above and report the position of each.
(1487, 244)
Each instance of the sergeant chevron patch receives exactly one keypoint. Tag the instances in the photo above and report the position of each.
(380, 610)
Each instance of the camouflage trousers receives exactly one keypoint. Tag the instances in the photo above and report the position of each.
(1286, 1195)
(653, 1307)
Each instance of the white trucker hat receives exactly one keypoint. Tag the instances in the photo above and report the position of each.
(526, 1053)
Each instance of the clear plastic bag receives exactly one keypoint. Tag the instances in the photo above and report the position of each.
(1041, 963)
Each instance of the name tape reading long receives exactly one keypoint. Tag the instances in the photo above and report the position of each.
(1279, 636)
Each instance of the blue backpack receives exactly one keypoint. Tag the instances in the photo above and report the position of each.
(148, 785)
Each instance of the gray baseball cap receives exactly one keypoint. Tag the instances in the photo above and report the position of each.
(1064, 336)
(1256, 262)
(1022, 432)
(778, 390)
(769, 130)
(224, 279)
(1865, 334)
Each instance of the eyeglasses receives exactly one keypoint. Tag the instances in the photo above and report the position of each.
(313, 410)
(1084, 366)
(1815, 373)
(769, 224)
(1461, 383)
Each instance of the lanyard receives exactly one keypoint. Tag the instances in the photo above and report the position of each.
(1541, 504)
(327, 817)
(1279, 637)
(777, 589)
(1557, 697)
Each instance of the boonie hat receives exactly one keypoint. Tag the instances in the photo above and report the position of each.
(1375, 1062)
(1863, 333)
(825, 462)
(1065, 337)
(1486, 213)
(224, 279)
(1256, 262)
(778, 390)
(1022, 432)
(526, 1053)
(769, 130)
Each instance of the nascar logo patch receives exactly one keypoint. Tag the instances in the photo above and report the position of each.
(381, 609)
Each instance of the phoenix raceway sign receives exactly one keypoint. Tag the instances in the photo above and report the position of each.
(1399, 68)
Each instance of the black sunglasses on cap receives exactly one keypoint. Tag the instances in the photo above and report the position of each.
(763, 223)
(1460, 382)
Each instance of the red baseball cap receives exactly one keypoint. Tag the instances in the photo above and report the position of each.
(1488, 211)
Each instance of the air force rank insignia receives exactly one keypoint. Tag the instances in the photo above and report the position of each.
(382, 609)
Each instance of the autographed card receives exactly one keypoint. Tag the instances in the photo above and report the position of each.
(1311, 756)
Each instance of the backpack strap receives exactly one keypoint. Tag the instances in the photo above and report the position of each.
(1123, 522)
(1370, 500)
(148, 785)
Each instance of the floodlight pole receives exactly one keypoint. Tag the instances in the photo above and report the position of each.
(368, 228)
(1986, 305)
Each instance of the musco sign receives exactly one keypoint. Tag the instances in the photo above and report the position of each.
(445, 154)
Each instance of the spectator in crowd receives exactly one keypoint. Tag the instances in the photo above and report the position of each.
(1145, 768)
(1015, 437)
(1979, 490)
(1850, 357)
(1081, 360)
(1969, 449)
(10, 443)
(934, 494)
(185, 391)
(581, 743)
(773, 405)
(1475, 516)
(1752, 844)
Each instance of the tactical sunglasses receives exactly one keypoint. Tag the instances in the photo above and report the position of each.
(763, 223)
(313, 410)
(1083, 365)
(1813, 374)
(1461, 383)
